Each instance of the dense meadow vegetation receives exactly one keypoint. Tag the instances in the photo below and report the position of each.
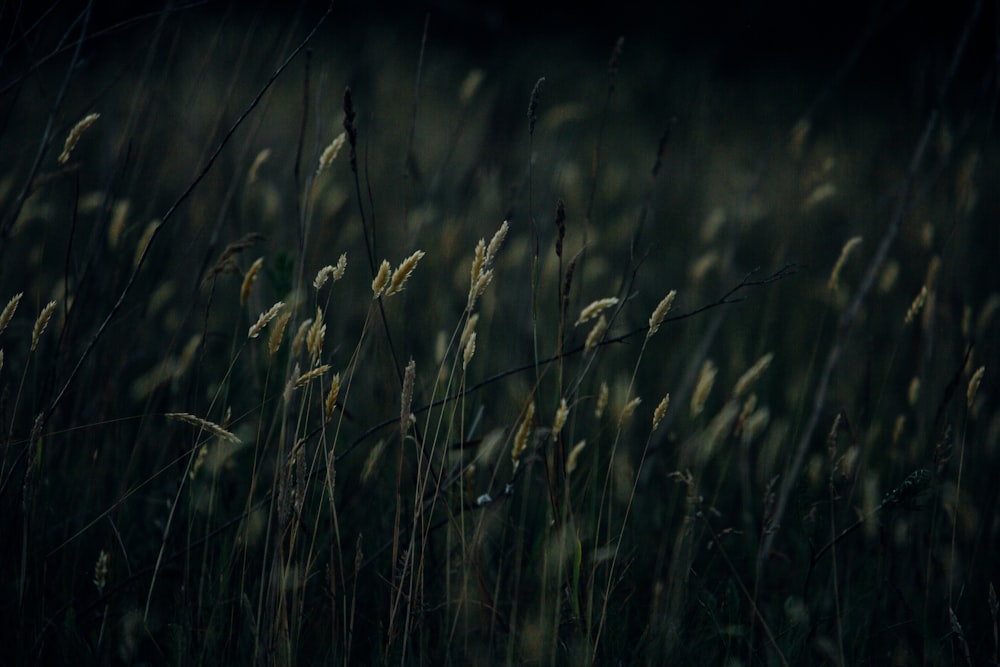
(339, 341)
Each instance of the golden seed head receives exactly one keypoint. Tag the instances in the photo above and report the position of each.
(602, 400)
(330, 152)
(469, 329)
(409, 376)
(249, 278)
(594, 308)
(258, 162)
(913, 392)
(119, 214)
(496, 242)
(660, 312)
(470, 350)
(278, 332)
(704, 386)
(300, 336)
(144, 241)
(916, 306)
(574, 456)
(661, 409)
(264, 318)
(74, 136)
(308, 377)
(205, 425)
(752, 374)
(974, 381)
(41, 322)
(523, 433)
(629, 408)
(314, 339)
(597, 333)
(8, 312)
(402, 273)
(331, 398)
(562, 412)
(381, 278)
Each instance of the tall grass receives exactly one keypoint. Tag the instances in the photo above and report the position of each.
(317, 348)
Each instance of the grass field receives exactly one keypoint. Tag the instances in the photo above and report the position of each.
(342, 341)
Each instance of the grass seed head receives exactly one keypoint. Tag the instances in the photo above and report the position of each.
(974, 381)
(574, 456)
(661, 410)
(704, 386)
(402, 273)
(381, 278)
(595, 308)
(74, 136)
(523, 434)
(331, 399)
(597, 333)
(41, 322)
(752, 374)
(249, 279)
(660, 312)
(264, 318)
(8, 311)
(331, 152)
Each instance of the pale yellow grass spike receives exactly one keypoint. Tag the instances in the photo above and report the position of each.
(496, 242)
(597, 333)
(594, 308)
(254, 172)
(845, 252)
(917, 305)
(8, 311)
(74, 136)
(315, 336)
(41, 322)
(562, 413)
(602, 400)
(629, 408)
(381, 279)
(300, 336)
(206, 425)
(974, 381)
(331, 398)
(751, 375)
(661, 410)
(278, 332)
(331, 152)
(309, 376)
(469, 351)
(574, 456)
(264, 318)
(249, 278)
(660, 312)
(704, 386)
(402, 273)
(523, 434)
